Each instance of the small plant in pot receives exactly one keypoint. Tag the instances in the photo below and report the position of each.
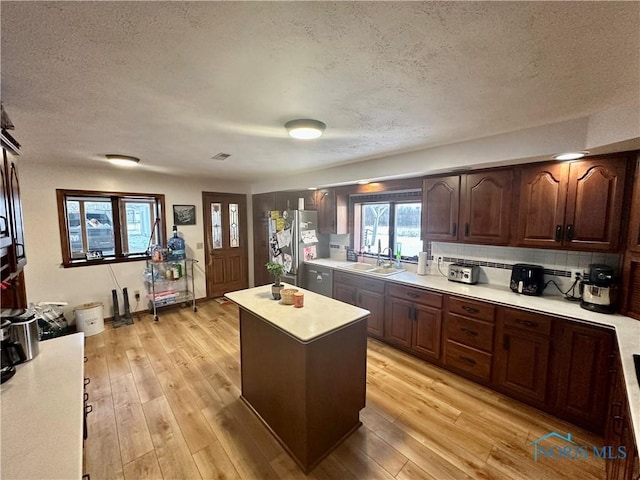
(276, 270)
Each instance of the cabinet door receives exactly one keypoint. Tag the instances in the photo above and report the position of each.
(374, 302)
(521, 365)
(345, 293)
(594, 204)
(17, 229)
(633, 242)
(5, 230)
(582, 364)
(286, 201)
(486, 207)
(440, 205)
(543, 194)
(326, 205)
(427, 328)
(398, 321)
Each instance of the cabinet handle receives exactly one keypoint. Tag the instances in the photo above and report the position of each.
(353, 297)
(558, 233)
(88, 409)
(470, 309)
(527, 323)
(413, 314)
(569, 232)
(468, 331)
(467, 360)
(87, 381)
(505, 342)
(412, 295)
(466, 229)
(454, 230)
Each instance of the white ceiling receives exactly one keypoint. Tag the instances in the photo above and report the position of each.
(175, 83)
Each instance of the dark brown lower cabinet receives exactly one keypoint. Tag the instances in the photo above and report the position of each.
(619, 431)
(522, 355)
(365, 293)
(413, 324)
(581, 364)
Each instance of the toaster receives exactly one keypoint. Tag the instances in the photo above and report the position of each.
(527, 279)
(459, 272)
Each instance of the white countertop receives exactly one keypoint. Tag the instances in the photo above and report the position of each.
(319, 316)
(42, 413)
(627, 329)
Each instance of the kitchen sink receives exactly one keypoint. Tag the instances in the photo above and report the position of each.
(386, 270)
(362, 267)
(366, 268)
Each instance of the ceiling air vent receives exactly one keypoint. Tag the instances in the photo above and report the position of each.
(221, 156)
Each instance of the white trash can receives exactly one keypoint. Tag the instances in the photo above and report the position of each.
(89, 318)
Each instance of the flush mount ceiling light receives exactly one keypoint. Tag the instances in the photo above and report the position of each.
(570, 155)
(123, 160)
(362, 182)
(305, 129)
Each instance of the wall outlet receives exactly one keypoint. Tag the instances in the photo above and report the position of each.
(438, 259)
(136, 294)
(576, 273)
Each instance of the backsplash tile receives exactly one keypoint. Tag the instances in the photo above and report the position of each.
(496, 262)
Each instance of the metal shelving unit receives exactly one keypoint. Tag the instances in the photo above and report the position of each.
(172, 288)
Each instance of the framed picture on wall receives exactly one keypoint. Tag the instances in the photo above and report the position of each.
(184, 214)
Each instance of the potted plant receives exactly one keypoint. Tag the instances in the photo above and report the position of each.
(276, 270)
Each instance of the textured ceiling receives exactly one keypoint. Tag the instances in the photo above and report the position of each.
(175, 83)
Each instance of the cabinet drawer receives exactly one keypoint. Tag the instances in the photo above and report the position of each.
(526, 321)
(359, 281)
(468, 331)
(467, 359)
(416, 295)
(469, 308)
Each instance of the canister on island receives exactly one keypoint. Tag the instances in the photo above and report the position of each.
(298, 300)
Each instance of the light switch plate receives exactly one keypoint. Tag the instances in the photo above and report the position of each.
(199, 245)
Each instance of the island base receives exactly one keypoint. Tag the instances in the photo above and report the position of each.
(308, 394)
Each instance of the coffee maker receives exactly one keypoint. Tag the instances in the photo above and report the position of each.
(599, 289)
(11, 352)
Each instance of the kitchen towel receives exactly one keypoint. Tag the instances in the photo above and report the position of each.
(422, 263)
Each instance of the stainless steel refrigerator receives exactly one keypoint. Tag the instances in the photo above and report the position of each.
(294, 238)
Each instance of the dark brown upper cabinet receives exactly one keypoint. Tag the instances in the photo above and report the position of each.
(440, 206)
(572, 205)
(332, 211)
(474, 208)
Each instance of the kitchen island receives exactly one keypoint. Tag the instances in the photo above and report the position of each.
(303, 369)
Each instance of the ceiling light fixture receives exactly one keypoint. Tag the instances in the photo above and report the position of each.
(570, 155)
(363, 182)
(123, 160)
(305, 129)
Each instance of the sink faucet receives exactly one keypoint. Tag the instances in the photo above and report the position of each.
(381, 252)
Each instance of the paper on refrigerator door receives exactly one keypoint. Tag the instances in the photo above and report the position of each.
(309, 236)
(310, 252)
(288, 262)
(284, 238)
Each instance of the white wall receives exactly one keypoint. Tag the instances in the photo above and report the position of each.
(613, 130)
(46, 280)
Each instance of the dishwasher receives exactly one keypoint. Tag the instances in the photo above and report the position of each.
(319, 279)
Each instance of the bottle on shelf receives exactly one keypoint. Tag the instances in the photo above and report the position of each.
(177, 250)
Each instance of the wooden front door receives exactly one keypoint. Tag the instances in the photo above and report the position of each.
(225, 233)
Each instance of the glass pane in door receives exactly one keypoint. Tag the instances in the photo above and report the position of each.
(234, 232)
(216, 224)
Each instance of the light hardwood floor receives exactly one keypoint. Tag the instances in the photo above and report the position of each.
(165, 405)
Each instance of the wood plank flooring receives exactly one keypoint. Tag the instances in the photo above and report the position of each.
(166, 405)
